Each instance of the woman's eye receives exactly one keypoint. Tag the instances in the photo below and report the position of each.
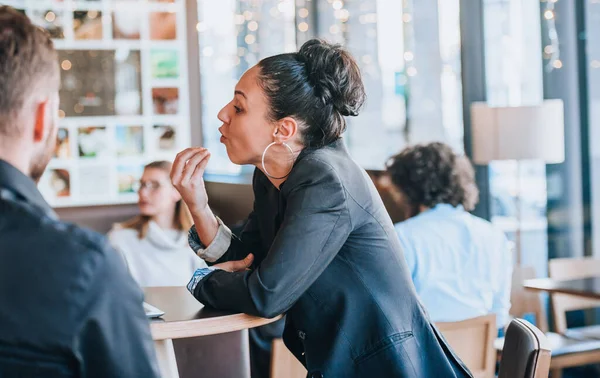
(237, 109)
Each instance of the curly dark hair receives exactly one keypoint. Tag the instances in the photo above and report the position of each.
(432, 174)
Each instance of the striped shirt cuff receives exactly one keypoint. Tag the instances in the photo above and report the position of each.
(217, 247)
(199, 274)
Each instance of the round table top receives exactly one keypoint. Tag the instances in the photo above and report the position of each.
(186, 317)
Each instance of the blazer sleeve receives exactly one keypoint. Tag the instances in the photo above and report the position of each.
(236, 247)
(315, 226)
(249, 241)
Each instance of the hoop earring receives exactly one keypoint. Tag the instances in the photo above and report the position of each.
(265, 167)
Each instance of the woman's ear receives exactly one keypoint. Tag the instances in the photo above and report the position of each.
(286, 129)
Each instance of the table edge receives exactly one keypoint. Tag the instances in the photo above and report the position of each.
(205, 327)
(561, 291)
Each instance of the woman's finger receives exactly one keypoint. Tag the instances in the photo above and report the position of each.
(180, 163)
(247, 261)
(200, 168)
(192, 164)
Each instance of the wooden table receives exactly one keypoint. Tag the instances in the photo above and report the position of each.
(186, 317)
(584, 287)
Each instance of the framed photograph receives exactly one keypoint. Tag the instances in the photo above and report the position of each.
(165, 100)
(94, 181)
(87, 24)
(128, 176)
(130, 140)
(50, 20)
(92, 142)
(165, 138)
(63, 144)
(165, 64)
(163, 25)
(126, 24)
(57, 182)
(100, 82)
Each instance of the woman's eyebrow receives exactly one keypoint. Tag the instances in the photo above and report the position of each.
(238, 92)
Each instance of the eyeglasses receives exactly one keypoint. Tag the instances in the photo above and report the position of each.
(150, 185)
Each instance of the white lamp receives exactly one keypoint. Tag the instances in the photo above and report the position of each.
(518, 133)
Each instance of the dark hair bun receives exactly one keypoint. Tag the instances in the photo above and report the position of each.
(334, 75)
(318, 86)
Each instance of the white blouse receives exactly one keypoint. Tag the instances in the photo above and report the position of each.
(162, 258)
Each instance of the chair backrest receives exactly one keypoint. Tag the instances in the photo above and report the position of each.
(473, 341)
(571, 269)
(283, 362)
(523, 301)
(526, 352)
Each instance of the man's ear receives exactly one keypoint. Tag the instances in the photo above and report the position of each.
(286, 129)
(41, 120)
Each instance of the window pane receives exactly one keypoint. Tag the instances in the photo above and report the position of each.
(513, 66)
(408, 51)
(593, 87)
(234, 36)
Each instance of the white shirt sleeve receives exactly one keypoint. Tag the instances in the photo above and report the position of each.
(407, 251)
(501, 304)
(216, 248)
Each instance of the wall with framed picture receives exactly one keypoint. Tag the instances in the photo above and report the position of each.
(124, 94)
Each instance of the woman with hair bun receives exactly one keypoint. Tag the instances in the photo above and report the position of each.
(319, 244)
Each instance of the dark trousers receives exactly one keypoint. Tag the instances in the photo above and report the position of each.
(260, 347)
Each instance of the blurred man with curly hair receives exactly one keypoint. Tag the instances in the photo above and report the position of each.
(460, 264)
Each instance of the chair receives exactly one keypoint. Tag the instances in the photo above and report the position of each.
(570, 269)
(527, 352)
(473, 341)
(523, 301)
(283, 362)
(566, 351)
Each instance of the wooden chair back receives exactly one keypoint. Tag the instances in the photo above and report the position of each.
(283, 362)
(473, 341)
(571, 269)
(525, 301)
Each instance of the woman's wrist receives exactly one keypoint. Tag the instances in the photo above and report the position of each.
(206, 224)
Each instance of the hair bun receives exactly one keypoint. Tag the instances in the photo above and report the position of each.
(334, 75)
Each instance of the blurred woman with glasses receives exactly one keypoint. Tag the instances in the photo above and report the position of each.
(154, 244)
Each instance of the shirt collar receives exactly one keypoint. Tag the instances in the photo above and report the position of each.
(23, 188)
(446, 207)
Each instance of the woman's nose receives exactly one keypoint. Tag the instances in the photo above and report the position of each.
(223, 115)
(143, 193)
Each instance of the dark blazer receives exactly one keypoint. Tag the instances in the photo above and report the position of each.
(68, 307)
(327, 254)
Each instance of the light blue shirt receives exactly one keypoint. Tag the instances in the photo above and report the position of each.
(460, 264)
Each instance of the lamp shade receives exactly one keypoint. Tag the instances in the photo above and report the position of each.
(518, 133)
